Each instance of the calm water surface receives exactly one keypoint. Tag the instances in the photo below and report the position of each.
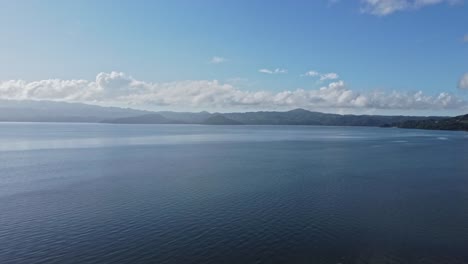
(92, 193)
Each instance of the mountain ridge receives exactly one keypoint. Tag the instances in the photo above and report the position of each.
(50, 111)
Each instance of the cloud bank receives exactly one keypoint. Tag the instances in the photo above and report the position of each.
(387, 7)
(118, 88)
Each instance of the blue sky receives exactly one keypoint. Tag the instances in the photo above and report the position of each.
(373, 47)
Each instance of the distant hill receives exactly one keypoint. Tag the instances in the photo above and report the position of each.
(48, 111)
(220, 120)
(305, 117)
(187, 117)
(293, 117)
(143, 119)
(454, 123)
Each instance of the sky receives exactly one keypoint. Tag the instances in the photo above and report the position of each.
(353, 56)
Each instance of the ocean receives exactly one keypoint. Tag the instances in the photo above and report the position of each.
(101, 193)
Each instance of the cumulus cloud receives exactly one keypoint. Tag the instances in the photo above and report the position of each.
(463, 83)
(322, 76)
(387, 7)
(118, 88)
(275, 71)
(217, 60)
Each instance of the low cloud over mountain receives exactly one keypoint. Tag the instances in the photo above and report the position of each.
(119, 88)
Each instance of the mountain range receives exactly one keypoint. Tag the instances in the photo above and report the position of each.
(48, 111)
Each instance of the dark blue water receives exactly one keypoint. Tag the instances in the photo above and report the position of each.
(88, 193)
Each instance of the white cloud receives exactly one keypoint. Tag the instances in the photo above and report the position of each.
(323, 76)
(465, 38)
(463, 83)
(118, 88)
(265, 71)
(311, 74)
(387, 7)
(329, 76)
(275, 71)
(217, 60)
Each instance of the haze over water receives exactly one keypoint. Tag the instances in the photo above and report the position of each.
(93, 193)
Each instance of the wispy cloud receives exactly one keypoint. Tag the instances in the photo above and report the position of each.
(322, 76)
(217, 60)
(275, 71)
(311, 74)
(463, 83)
(116, 88)
(329, 76)
(465, 38)
(387, 7)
